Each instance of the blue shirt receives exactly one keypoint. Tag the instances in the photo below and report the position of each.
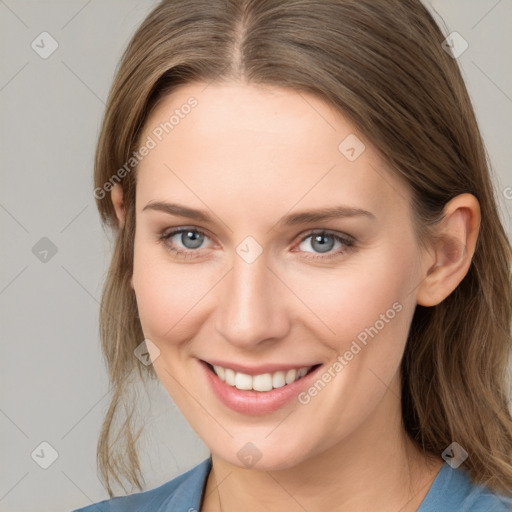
(451, 491)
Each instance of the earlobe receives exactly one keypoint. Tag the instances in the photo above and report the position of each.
(453, 248)
(117, 201)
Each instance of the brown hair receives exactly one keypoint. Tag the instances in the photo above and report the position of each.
(381, 64)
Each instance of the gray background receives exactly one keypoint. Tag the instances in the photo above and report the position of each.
(54, 386)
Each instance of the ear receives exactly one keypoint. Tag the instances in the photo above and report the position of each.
(451, 251)
(120, 209)
(117, 201)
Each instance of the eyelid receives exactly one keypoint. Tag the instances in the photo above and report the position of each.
(330, 232)
(317, 231)
(346, 240)
(169, 233)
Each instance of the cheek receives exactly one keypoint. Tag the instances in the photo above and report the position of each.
(359, 298)
(370, 313)
(167, 293)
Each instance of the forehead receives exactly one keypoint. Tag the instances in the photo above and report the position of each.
(242, 116)
(263, 145)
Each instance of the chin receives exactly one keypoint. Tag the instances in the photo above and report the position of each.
(262, 456)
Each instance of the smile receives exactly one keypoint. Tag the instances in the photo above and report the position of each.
(262, 382)
(257, 390)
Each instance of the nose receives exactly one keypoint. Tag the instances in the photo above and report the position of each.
(252, 306)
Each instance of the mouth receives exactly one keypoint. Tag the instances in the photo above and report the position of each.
(261, 382)
(257, 391)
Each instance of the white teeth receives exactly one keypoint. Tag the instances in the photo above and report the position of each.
(243, 381)
(229, 377)
(220, 372)
(301, 372)
(291, 376)
(278, 379)
(263, 382)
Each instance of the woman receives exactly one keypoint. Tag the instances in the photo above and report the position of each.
(308, 243)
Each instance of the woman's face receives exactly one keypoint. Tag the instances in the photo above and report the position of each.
(298, 252)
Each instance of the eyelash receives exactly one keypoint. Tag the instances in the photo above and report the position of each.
(347, 242)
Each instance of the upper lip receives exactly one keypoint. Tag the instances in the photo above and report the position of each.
(259, 369)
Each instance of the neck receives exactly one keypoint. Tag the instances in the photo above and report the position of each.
(377, 464)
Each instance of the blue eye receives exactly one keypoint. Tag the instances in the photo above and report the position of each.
(188, 242)
(324, 242)
(191, 239)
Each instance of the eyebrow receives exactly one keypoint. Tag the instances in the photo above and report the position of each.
(292, 219)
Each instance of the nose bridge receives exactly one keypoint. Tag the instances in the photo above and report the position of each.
(250, 308)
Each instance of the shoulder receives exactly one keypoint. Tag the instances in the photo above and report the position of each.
(182, 494)
(453, 490)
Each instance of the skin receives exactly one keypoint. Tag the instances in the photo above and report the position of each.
(249, 155)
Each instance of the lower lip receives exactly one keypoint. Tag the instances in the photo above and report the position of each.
(252, 402)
